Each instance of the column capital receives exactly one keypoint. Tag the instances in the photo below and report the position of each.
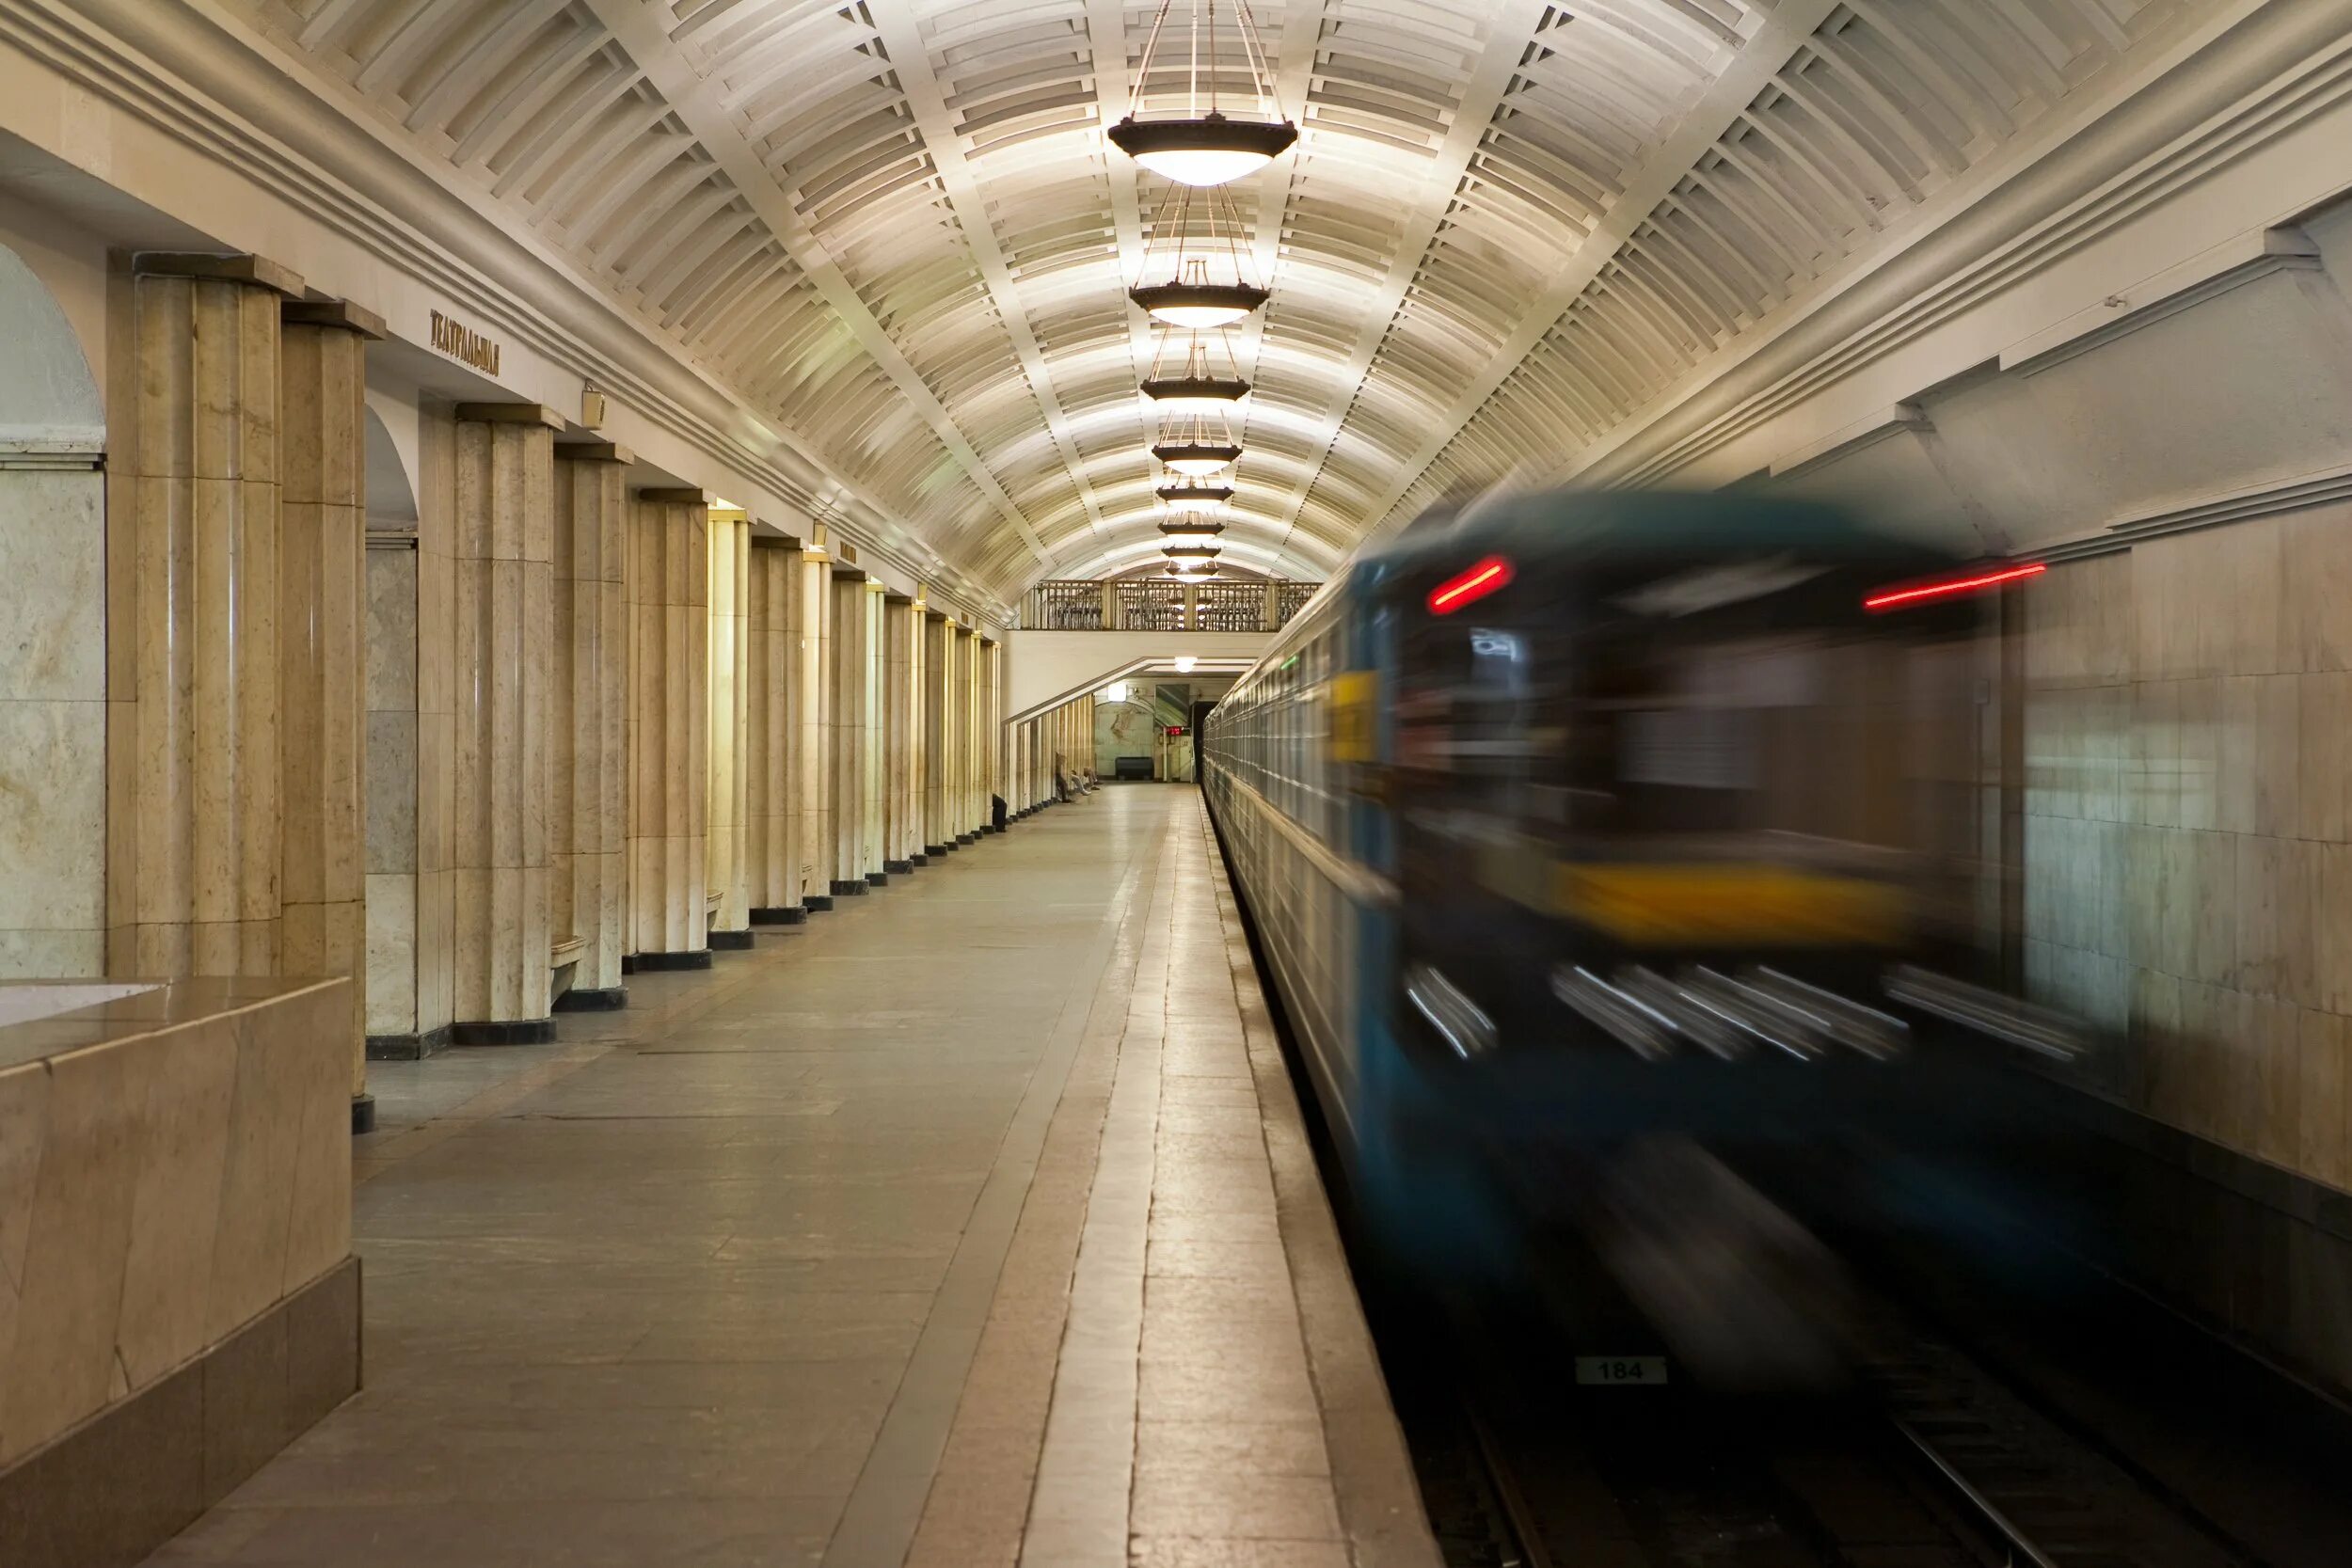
(259, 271)
(674, 494)
(510, 413)
(593, 452)
(335, 312)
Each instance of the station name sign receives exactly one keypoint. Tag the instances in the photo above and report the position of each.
(463, 344)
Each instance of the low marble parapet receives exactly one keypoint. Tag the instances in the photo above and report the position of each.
(174, 1164)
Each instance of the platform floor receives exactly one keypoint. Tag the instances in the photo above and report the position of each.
(971, 1222)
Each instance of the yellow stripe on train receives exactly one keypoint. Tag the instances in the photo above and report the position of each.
(1708, 906)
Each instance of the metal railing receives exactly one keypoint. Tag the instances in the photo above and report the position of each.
(1155, 604)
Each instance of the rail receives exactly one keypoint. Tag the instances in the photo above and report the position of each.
(1157, 605)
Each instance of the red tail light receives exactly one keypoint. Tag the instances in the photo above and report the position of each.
(1946, 587)
(1471, 586)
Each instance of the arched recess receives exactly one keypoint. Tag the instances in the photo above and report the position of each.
(52, 639)
(397, 886)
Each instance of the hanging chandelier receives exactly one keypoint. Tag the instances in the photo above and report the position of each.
(1196, 243)
(1203, 145)
(1196, 389)
(1191, 552)
(1191, 452)
(1195, 497)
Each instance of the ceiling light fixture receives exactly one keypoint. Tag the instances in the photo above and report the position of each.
(1196, 246)
(1203, 145)
(1193, 527)
(1191, 552)
(1197, 458)
(1195, 497)
(1196, 390)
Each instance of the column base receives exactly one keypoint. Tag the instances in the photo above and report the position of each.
(967, 838)
(132, 1476)
(362, 1114)
(818, 902)
(602, 1000)
(408, 1048)
(503, 1031)
(918, 859)
(899, 868)
(932, 852)
(644, 964)
(878, 878)
(781, 915)
(846, 889)
(731, 941)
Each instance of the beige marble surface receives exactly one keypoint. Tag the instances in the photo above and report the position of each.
(939, 725)
(727, 873)
(852, 721)
(772, 821)
(669, 727)
(171, 1165)
(816, 687)
(587, 810)
(2188, 828)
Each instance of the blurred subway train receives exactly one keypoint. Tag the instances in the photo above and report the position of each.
(1590, 840)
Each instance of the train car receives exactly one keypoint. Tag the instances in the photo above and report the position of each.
(1597, 819)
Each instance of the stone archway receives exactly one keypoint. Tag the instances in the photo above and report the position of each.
(52, 640)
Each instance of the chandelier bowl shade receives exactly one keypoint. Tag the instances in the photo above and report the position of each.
(1212, 149)
(1195, 497)
(1197, 306)
(1200, 392)
(1198, 458)
(1191, 527)
(1190, 553)
(1192, 571)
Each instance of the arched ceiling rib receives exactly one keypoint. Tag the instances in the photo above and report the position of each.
(894, 229)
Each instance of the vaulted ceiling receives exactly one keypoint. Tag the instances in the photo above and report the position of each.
(894, 226)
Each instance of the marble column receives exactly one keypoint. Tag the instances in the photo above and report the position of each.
(503, 613)
(939, 728)
(730, 727)
(669, 729)
(322, 642)
(992, 731)
(874, 822)
(588, 726)
(817, 684)
(195, 819)
(851, 722)
(966, 821)
(772, 841)
(902, 755)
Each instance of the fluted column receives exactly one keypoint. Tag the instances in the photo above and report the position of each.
(815, 790)
(939, 729)
(322, 640)
(669, 729)
(504, 610)
(730, 726)
(772, 843)
(194, 788)
(902, 757)
(967, 817)
(588, 822)
(852, 720)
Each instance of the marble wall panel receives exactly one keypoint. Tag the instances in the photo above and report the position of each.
(873, 815)
(939, 727)
(849, 721)
(178, 1167)
(901, 731)
(2216, 917)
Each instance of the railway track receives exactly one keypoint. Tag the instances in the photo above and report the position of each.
(1932, 1464)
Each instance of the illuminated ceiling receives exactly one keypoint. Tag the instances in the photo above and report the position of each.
(895, 228)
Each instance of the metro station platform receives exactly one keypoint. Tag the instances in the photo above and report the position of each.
(972, 1222)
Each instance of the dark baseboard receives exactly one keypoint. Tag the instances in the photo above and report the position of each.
(606, 999)
(899, 868)
(793, 915)
(509, 1031)
(642, 963)
(842, 889)
(878, 878)
(130, 1477)
(967, 838)
(362, 1114)
(408, 1048)
(731, 941)
(932, 852)
(918, 859)
(818, 902)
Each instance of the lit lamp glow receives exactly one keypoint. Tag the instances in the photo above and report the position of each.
(1184, 664)
(1197, 306)
(1210, 150)
(1197, 459)
(1195, 497)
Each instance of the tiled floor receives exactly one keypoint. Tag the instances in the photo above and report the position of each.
(970, 1223)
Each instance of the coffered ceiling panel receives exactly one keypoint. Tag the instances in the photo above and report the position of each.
(894, 227)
